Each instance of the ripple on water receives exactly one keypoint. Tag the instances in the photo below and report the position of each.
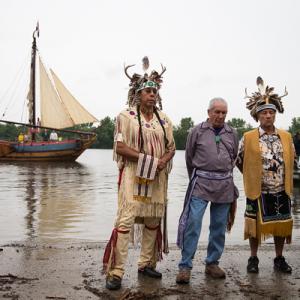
(79, 200)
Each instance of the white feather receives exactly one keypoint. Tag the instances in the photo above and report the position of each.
(261, 85)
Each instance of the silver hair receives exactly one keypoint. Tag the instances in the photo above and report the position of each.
(213, 101)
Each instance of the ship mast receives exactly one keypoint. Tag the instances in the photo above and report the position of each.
(32, 104)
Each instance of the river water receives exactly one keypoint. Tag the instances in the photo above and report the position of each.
(77, 201)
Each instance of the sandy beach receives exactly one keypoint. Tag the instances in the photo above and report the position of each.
(68, 270)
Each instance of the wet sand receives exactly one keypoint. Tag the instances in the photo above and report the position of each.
(73, 271)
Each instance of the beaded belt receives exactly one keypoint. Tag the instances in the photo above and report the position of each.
(214, 175)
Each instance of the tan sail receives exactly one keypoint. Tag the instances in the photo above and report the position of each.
(77, 112)
(53, 112)
(59, 109)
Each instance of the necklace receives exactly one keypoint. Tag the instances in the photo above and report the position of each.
(217, 139)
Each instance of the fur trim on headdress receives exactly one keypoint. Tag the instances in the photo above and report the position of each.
(264, 98)
(137, 81)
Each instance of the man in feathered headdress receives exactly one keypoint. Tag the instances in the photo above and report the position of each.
(143, 149)
(265, 158)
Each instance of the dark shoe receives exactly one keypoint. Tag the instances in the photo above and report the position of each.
(113, 282)
(150, 272)
(252, 266)
(281, 265)
(214, 271)
(183, 276)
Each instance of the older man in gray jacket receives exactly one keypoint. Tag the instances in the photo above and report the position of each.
(211, 150)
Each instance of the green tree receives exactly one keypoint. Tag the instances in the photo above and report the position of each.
(295, 126)
(9, 132)
(239, 125)
(105, 134)
(181, 132)
(82, 127)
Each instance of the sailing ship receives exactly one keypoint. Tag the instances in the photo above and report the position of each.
(58, 110)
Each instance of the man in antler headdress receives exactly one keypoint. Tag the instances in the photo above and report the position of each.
(265, 158)
(143, 149)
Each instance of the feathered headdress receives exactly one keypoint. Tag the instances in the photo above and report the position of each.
(263, 99)
(139, 82)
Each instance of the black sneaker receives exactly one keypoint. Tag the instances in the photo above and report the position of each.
(281, 265)
(150, 272)
(252, 266)
(113, 282)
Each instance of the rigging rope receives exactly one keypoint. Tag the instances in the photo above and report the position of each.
(15, 83)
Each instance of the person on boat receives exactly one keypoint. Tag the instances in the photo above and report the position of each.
(45, 135)
(143, 149)
(53, 136)
(27, 137)
(21, 138)
(38, 123)
(211, 150)
(265, 158)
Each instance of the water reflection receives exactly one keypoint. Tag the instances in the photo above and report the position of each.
(60, 199)
(30, 200)
(296, 205)
(52, 194)
(79, 200)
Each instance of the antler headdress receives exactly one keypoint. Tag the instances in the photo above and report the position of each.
(139, 82)
(264, 98)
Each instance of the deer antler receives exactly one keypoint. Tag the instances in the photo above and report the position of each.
(246, 95)
(163, 70)
(285, 93)
(125, 70)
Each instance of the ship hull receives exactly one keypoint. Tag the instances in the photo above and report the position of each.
(68, 150)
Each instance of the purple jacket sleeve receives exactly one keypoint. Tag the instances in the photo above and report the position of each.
(189, 150)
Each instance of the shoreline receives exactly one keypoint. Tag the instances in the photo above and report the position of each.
(72, 270)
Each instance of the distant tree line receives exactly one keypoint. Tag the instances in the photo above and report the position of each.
(9, 131)
(295, 126)
(240, 126)
(105, 134)
(105, 131)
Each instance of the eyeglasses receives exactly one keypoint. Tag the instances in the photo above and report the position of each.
(149, 90)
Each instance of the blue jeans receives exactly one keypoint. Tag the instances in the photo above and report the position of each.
(218, 221)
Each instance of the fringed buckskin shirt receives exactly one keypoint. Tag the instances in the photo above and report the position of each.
(127, 131)
(207, 151)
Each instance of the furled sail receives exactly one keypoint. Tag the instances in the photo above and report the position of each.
(30, 96)
(59, 109)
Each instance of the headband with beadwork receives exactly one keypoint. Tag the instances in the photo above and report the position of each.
(148, 84)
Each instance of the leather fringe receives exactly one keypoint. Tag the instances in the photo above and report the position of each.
(109, 257)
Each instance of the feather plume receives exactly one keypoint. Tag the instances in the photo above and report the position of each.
(145, 62)
(280, 106)
(261, 85)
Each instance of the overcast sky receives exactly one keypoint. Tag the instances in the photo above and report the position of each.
(210, 48)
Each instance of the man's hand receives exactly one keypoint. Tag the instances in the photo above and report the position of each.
(163, 161)
(161, 164)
